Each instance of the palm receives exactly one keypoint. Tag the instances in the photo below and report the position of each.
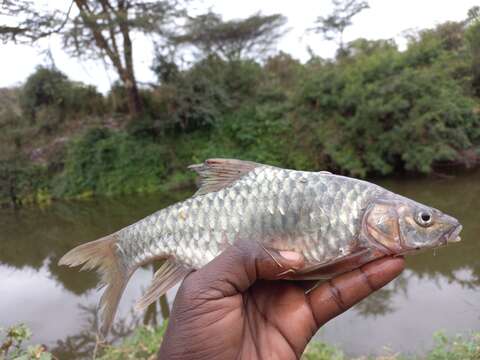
(271, 320)
(227, 311)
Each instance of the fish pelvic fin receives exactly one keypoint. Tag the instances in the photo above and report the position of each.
(102, 254)
(165, 277)
(216, 174)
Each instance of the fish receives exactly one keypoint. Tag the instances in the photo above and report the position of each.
(337, 223)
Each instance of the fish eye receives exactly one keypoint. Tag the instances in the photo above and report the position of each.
(424, 218)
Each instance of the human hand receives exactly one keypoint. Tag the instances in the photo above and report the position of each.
(229, 309)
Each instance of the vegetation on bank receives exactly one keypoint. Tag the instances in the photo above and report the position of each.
(372, 110)
(12, 345)
(145, 342)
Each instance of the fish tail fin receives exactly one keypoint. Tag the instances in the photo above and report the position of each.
(166, 277)
(102, 254)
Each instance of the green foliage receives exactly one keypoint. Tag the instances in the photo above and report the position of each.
(11, 346)
(233, 39)
(143, 344)
(44, 87)
(455, 348)
(472, 36)
(201, 96)
(106, 162)
(49, 98)
(380, 111)
(317, 350)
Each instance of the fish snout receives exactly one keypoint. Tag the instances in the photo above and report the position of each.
(454, 229)
(453, 235)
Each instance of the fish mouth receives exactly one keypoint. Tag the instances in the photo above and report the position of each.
(453, 235)
(450, 236)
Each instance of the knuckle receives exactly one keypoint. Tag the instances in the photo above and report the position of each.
(366, 279)
(336, 295)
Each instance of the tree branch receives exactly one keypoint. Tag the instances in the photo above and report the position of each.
(86, 14)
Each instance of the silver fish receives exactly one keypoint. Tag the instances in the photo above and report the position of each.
(338, 224)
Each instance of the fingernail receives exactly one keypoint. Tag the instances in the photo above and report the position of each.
(290, 255)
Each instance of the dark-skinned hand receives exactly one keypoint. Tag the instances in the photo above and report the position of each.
(230, 309)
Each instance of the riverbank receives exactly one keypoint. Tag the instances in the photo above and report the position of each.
(104, 162)
(373, 110)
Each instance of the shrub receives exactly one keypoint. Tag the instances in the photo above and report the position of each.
(199, 97)
(107, 162)
(376, 113)
(49, 97)
(143, 344)
(11, 347)
(455, 348)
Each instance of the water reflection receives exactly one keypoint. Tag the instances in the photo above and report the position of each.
(57, 303)
(30, 236)
(381, 302)
(83, 344)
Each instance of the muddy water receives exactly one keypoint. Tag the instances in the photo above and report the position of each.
(437, 291)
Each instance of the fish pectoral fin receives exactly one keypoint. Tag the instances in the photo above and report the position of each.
(216, 174)
(166, 277)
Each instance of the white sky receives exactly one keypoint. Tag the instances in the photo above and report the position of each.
(385, 19)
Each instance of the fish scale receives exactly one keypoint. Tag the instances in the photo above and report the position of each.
(308, 210)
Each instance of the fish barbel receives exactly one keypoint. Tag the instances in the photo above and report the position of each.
(337, 223)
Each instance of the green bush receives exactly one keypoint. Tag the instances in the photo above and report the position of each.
(377, 112)
(473, 39)
(143, 344)
(317, 350)
(49, 97)
(199, 97)
(20, 182)
(11, 346)
(455, 348)
(106, 162)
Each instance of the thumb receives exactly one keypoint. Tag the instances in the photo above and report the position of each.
(243, 263)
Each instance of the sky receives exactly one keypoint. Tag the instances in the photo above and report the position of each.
(385, 19)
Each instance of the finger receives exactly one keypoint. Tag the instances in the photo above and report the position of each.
(240, 265)
(339, 294)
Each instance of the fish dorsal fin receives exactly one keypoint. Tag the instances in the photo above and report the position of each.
(216, 174)
(166, 276)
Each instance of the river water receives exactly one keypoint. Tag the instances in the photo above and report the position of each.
(438, 291)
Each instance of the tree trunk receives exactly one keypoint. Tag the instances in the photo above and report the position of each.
(135, 106)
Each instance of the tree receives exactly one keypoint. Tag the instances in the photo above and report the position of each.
(99, 29)
(333, 26)
(473, 39)
(232, 39)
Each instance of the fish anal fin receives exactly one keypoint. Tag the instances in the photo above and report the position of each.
(216, 174)
(337, 266)
(166, 277)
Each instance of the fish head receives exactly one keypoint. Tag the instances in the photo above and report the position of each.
(399, 225)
